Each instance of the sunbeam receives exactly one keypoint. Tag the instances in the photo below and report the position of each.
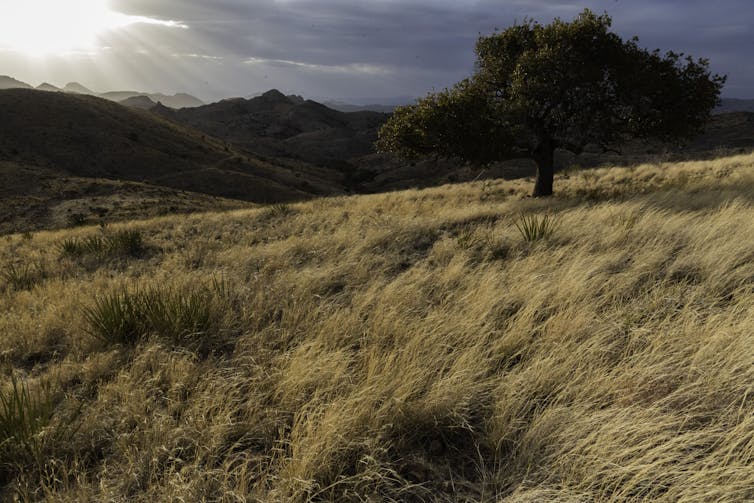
(43, 27)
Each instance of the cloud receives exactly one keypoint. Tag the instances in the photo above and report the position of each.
(350, 48)
(351, 68)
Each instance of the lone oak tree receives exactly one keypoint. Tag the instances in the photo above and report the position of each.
(564, 85)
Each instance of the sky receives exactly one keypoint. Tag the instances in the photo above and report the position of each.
(356, 51)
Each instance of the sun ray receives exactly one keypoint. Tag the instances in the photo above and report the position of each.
(45, 27)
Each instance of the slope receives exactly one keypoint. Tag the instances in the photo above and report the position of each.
(286, 126)
(411, 346)
(91, 137)
(34, 198)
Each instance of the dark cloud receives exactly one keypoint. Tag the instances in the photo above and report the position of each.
(349, 49)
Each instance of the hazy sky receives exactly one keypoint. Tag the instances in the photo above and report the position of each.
(346, 49)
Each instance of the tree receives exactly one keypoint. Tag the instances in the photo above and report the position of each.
(565, 85)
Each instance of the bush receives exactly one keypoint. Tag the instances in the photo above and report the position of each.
(21, 277)
(536, 228)
(23, 414)
(124, 243)
(115, 318)
(182, 316)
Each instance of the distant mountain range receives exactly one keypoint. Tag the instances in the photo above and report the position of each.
(179, 100)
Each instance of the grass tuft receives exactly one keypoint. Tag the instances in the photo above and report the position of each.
(536, 228)
(183, 316)
(21, 277)
(120, 243)
(23, 415)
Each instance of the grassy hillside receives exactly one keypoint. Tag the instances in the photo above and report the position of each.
(414, 346)
(34, 198)
(86, 136)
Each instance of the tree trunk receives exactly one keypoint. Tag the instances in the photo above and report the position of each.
(544, 157)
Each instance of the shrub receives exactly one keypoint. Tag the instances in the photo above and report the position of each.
(23, 414)
(125, 242)
(180, 315)
(115, 318)
(536, 228)
(21, 277)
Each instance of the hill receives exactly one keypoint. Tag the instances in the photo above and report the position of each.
(48, 87)
(279, 125)
(84, 136)
(411, 346)
(76, 88)
(178, 100)
(143, 102)
(7, 82)
(33, 198)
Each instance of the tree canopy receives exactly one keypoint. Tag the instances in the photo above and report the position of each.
(565, 85)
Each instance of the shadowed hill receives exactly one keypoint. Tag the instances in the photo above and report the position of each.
(92, 137)
(34, 198)
(285, 126)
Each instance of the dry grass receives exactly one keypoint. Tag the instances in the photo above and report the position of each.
(411, 347)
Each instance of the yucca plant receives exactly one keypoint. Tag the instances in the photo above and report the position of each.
(70, 247)
(20, 277)
(23, 414)
(177, 314)
(536, 228)
(116, 317)
(125, 242)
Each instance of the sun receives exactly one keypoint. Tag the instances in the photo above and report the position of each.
(50, 27)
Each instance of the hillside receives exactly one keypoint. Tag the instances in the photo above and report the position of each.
(279, 125)
(84, 136)
(410, 346)
(34, 198)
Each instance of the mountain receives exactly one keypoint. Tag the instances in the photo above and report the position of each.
(48, 87)
(728, 105)
(86, 136)
(142, 102)
(288, 126)
(75, 87)
(7, 82)
(178, 100)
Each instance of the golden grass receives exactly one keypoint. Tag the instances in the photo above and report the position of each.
(413, 347)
